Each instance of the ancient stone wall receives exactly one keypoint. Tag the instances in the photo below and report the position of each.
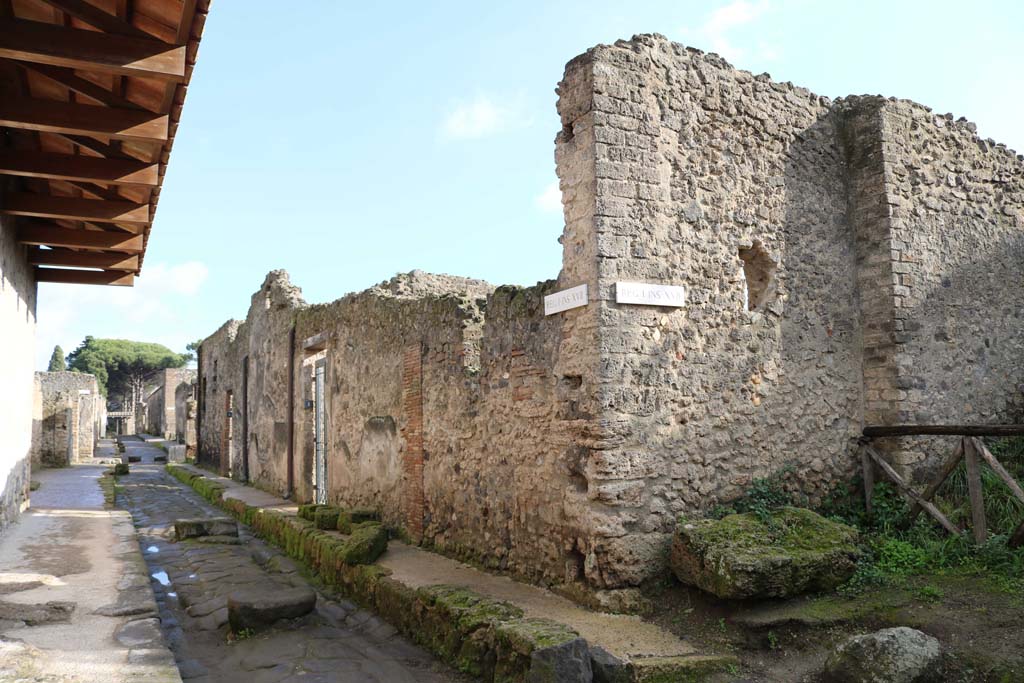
(185, 415)
(18, 322)
(70, 417)
(830, 253)
(161, 404)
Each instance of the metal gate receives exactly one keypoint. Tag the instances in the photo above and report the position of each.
(320, 436)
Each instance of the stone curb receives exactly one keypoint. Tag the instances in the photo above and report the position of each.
(149, 658)
(486, 638)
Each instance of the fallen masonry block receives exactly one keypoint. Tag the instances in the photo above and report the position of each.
(365, 544)
(307, 512)
(134, 458)
(347, 519)
(256, 610)
(326, 518)
(214, 526)
(120, 469)
(744, 556)
(160, 458)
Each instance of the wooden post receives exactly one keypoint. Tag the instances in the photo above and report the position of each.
(997, 467)
(869, 480)
(978, 524)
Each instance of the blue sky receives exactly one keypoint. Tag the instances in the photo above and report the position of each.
(347, 142)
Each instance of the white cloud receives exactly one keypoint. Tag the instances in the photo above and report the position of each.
(482, 116)
(550, 200)
(155, 309)
(713, 34)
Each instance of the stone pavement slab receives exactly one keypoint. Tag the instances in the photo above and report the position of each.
(625, 636)
(68, 549)
(194, 581)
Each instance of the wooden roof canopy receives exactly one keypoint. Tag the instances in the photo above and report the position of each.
(90, 96)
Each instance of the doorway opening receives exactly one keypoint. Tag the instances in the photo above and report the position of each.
(319, 434)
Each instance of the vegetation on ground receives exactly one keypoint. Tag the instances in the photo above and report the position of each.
(895, 549)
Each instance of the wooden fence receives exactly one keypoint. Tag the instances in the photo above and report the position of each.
(970, 449)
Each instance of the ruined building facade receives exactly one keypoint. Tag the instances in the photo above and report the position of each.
(69, 417)
(846, 263)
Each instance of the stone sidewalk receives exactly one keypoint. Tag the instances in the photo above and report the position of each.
(627, 637)
(74, 592)
(192, 580)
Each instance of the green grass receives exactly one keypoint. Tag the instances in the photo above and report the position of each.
(896, 550)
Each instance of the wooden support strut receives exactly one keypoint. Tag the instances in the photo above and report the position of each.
(943, 474)
(909, 492)
(974, 490)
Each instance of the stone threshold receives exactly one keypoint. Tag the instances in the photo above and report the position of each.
(484, 624)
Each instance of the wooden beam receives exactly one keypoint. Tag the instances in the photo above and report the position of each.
(944, 430)
(85, 277)
(974, 491)
(42, 43)
(947, 469)
(82, 259)
(78, 167)
(55, 236)
(74, 208)
(868, 469)
(76, 84)
(998, 468)
(83, 119)
(97, 18)
(909, 492)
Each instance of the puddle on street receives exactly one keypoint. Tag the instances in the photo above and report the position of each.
(152, 549)
(162, 577)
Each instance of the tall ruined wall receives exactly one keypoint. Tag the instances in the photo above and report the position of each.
(185, 415)
(696, 166)
(69, 418)
(161, 405)
(218, 374)
(18, 322)
(957, 257)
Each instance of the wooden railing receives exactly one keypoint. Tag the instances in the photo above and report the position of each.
(970, 449)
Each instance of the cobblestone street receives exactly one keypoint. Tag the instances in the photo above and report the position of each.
(192, 580)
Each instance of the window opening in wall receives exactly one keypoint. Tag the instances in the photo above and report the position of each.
(758, 276)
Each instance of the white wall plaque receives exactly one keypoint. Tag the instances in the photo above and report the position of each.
(574, 297)
(649, 295)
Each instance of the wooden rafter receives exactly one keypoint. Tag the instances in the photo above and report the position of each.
(78, 167)
(85, 277)
(100, 240)
(83, 259)
(74, 208)
(97, 18)
(42, 43)
(83, 119)
(80, 86)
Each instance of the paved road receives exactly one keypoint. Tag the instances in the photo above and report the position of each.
(338, 642)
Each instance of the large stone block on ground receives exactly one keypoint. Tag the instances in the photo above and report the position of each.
(214, 526)
(743, 556)
(893, 655)
(256, 609)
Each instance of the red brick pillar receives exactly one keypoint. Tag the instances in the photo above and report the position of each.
(412, 431)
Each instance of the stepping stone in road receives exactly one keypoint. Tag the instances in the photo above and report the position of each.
(256, 609)
(213, 526)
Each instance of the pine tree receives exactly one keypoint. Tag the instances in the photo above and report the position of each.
(57, 363)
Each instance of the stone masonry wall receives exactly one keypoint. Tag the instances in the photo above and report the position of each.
(70, 418)
(694, 165)
(846, 263)
(18, 322)
(161, 404)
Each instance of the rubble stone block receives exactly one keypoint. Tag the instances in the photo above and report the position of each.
(895, 655)
(213, 526)
(743, 556)
(257, 610)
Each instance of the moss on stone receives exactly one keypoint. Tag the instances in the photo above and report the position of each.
(365, 544)
(307, 512)
(121, 469)
(326, 517)
(686, 669)
(742, 555)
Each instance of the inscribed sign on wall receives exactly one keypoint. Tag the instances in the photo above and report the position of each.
(573, 297)
(649, 295)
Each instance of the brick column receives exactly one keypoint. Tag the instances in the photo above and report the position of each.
(412, 432)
